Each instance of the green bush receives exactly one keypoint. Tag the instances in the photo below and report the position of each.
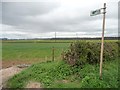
(80, 53)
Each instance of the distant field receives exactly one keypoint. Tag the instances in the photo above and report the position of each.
(27, 51)
(18, 53)
(38, 41)
(51, 41)
(33, 51)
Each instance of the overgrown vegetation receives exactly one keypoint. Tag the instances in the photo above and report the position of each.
(58, 74)
(80, 53)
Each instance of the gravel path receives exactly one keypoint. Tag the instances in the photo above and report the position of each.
(8, 73)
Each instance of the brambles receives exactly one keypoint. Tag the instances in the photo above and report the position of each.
(80, 53)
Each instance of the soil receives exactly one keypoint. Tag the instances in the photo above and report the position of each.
(10, 63)
(32, 84)
(63, 81)
(8, 73)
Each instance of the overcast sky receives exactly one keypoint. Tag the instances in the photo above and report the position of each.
(68, 18)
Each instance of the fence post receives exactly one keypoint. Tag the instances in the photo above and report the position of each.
(46, 58)
(53, 54)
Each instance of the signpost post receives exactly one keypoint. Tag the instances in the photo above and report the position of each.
(102, 44)
(93, 13)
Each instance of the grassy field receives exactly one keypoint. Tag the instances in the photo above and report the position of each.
(57, 74)
(28, 51)
(34, 51)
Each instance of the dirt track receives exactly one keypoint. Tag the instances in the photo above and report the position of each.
(10, 63)
(8, 73)
(11, 71)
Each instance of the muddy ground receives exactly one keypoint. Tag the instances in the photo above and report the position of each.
(10, 63)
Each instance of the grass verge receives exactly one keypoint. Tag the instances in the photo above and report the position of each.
(58, 74)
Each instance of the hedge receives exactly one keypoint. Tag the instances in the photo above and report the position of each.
(80, 52)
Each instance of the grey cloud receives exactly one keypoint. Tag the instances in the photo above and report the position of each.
(14, 13)
(41, 17)
(0, 12)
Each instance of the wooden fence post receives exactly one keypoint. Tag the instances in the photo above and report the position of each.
(53, 54)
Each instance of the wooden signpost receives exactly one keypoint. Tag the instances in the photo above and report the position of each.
(93, 13)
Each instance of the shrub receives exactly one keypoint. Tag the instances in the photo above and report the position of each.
(80, 53)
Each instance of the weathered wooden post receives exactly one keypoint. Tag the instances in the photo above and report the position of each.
(102, 43)
(93, 13)
(53, 53)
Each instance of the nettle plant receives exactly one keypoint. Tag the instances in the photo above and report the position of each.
(80, 52)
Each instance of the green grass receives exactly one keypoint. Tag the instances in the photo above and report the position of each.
(31, 51)
(35, 49)
(51, 75)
